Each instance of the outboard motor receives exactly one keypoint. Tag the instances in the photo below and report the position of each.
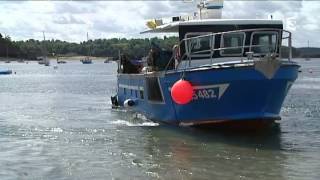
(114, 101)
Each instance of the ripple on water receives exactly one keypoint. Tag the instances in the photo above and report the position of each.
(59, 125)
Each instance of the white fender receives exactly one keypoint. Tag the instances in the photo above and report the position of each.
(128, 103)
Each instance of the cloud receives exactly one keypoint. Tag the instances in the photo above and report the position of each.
(260, 9)
(108, 26)
(74, 7)
(67, 19)
(105, 19)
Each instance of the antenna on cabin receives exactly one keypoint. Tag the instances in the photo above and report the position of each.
(210, 9)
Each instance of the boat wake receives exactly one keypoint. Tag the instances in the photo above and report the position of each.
(134, 124)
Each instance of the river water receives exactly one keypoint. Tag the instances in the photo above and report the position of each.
(58, 124)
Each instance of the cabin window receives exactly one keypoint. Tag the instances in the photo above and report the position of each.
(264, 42)
(136, 93)
(234, 44)
(154, 91)
(124, 91)
(199, 46)
(141, 94)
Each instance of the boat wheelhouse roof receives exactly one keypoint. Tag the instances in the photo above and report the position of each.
(174, 26)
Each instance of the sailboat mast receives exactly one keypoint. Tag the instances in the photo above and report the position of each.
(7, 51)
(44, 46)
(45, 58)
(89, 49)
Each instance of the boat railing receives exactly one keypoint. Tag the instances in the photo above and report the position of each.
(188, 44)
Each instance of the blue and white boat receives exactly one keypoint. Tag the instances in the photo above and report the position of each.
(5, 71)
(234, 66)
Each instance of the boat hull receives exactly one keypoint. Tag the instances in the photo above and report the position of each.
(227, 94)
(5, 72)
(84, 62)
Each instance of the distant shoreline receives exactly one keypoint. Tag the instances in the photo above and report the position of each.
(69, 58)
(78, 58)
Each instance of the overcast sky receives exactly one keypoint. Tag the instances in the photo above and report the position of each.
(70, 21)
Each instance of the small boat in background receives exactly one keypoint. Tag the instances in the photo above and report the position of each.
(20, 61)
(87, 59)
(61, 61)
(5, 71)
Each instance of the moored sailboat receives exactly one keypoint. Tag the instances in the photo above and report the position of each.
(44, 59)
(87, 59)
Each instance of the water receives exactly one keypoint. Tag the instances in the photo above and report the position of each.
(58, 124)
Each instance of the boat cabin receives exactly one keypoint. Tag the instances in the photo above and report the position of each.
(215, 40)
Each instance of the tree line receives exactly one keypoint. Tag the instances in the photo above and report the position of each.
(31, 49)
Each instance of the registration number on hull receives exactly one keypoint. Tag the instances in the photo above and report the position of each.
(209, 91)
(205, 94)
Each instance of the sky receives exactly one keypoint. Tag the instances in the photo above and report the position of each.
(71, 20)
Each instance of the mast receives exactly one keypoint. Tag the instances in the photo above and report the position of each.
(46, 61)
(44, 47)
(308, 56)
(7, 49)
(89, 50)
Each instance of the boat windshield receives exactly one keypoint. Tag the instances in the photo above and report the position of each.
(206, 48)
(264, 42)
(199, 46)
(231, 44)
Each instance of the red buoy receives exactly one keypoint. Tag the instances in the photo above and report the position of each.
(182, 92)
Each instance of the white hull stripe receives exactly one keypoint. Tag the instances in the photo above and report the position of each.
(138, 88)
